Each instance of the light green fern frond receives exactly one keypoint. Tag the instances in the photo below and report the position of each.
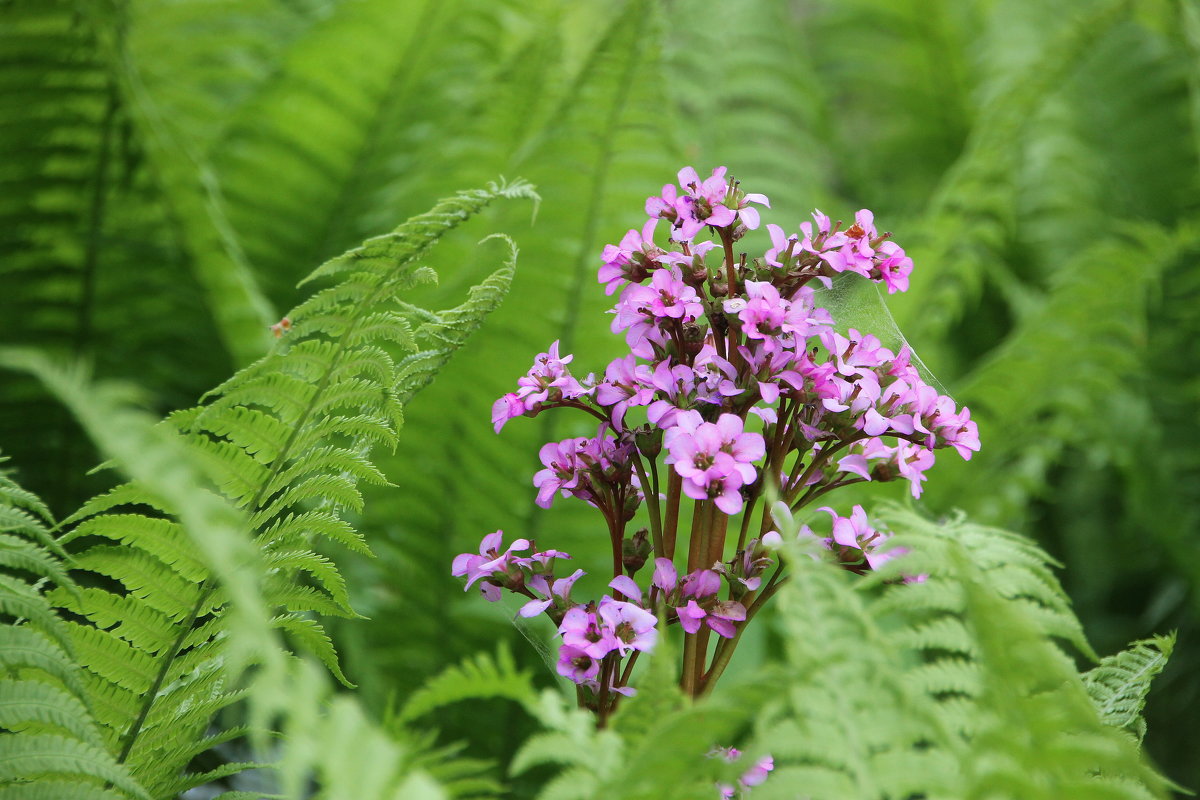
(934, 616)
(849, 721)
(50, 743)
(1118, 685)
(1039, 735)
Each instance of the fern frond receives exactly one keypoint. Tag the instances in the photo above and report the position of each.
(154, 666)
(936, 629)
(850, 725)
(970, 216)
(480, 676)
(1063, 748)
(1118, 685)
(50, 735)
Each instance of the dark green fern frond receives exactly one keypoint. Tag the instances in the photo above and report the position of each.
(1118, 685)
(1093, 322)
(970, 217)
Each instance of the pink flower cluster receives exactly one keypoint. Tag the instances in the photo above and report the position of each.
(735, 377)
(616, 625)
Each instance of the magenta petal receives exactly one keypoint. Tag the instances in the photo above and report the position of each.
(729, 501)
(761, 199)
(749, 217)
(491, 542)
(533, 608)
(857, 464)
(721, 626)
(665, 575)
(721, 217)
(626, 586)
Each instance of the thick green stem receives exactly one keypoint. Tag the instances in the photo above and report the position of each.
(651, 493)
(726, 647)
(671, 523)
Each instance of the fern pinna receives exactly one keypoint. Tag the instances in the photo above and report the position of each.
(286, 440)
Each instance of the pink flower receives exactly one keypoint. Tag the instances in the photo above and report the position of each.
(581, 629)
(666, 577)
(748, 216)
(626, 383)
(643, 310)
(786, 247)
(547, 380)
(719, 616)
(576, 664)
(563, 472)
(631, 260)
(631, 627)
(700, 584)
(663, 206)
(714, 459)
(489, 562)
(703, 203)
(757, 774)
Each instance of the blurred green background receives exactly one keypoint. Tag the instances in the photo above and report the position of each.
(170, 168)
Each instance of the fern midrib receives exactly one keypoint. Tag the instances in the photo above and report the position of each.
(208, 586)
(532, 521)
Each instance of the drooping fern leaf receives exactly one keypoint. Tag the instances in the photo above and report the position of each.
(286, 442)
(1039, 734)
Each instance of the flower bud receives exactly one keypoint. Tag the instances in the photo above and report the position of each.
(649, 441)
(631, 506)
(635, 551)
(693, 338)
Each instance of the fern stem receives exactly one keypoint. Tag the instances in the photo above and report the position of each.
(96, 213)
(130, 738)
(600, 169)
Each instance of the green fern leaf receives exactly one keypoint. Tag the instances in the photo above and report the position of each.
(49, 755)
(480, 676)
(1118, 685)
(312, 638)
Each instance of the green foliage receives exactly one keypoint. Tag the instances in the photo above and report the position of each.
(1118, 685)
(475, 678)
(49, 739)
(169, 164)
(285, 436)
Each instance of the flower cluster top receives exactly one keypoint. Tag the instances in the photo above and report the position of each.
(734, 378)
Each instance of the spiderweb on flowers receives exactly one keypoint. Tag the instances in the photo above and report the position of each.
(855, 302)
